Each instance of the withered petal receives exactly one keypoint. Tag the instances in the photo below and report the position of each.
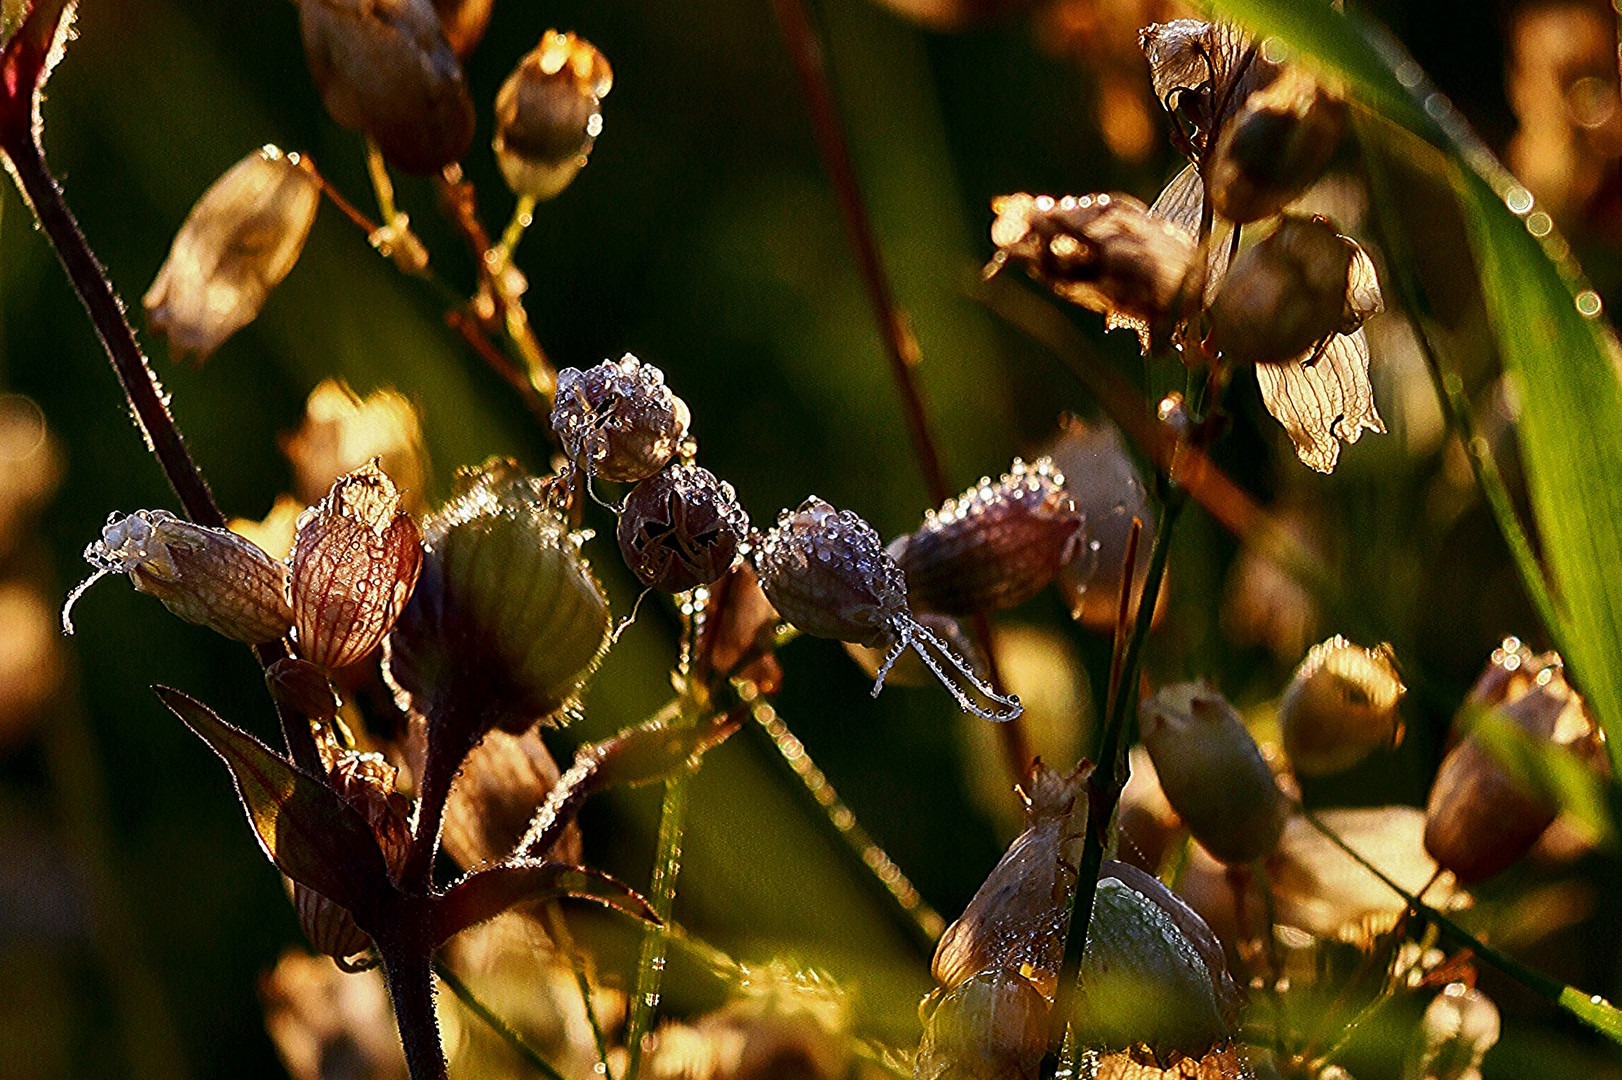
(1323, 403)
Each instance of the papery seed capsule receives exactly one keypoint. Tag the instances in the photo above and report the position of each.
(354, 563)
(1104, 252)
(1292, 292)
(502, 783)
(1276, 147)
(993, 1026)
(618, 421)
(507, 621)
(827, 573)
(548, 114)
(681, 528)
(1212, 772)
(211, 577)
(1340, 707)
(331, 929)
(1203, 72)
(1460, 1025)
(739, 622)
(239, 241)
(994, 546)
(384, 67)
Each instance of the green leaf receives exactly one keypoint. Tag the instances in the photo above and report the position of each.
(1560, 358)
(484, 894)
(1594, 1011)
(304, 827)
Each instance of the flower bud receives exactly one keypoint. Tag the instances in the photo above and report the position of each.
(1212, 772)
(681, 528)
(507, 621)
(992, 1026)
(1276, 147)
(618, 421)
(384, 67)
(211, 577)
(1340, 707)
(354, 563)
(239, 241)
(1291, 293)
(1460, 1025)
(502, 783)
(547, 114)
(343, 431)
(994, 546)
(1106, 253)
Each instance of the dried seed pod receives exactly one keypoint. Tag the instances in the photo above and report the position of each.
(992, 1026)
(1212, 772)
(464, 23)
(507, 621)
(1105, 252)
(548, 114)
(384, 67)
(994, 546)
(343, 431)
(1323, 398)
(1340, 707)
(1203, 73)
(1018, 917)
(1276, 147)
(1460, 1025)
(827, 573)
(331, 929)
(211, 577)
(681, 528)
(909, 669)
(502, 783)
(618, 421)
(239, 241)
(354, 563)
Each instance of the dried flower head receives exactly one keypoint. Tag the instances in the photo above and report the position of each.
(828, 574)
(1459, 1026)
(994, 546)
(681, 528)
(239, 241)
(1203, 73)
(1104, 252)
(1340, 707)
(991, 1026)
(343, 431)
(1213, 772)
(1276, 147)
(548, 114)
(384, 67)
(211, 577)
(618, 421)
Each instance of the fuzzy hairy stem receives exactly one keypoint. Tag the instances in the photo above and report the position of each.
(410, 974)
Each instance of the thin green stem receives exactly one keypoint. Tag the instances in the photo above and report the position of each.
(495, 1023)
(382, 185)
(650, 968)
(558, 927)
(523, 216)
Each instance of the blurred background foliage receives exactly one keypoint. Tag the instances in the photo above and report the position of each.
(135, 913)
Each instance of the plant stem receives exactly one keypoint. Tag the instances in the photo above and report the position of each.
(495, 1023)
(558, 927)
(650, 968)
(410, 974)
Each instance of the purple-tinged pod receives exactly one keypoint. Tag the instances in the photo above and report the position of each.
(681, 528)
(618, 421)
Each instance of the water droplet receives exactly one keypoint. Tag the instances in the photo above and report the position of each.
(1518, 199)
(1588, 304)
(1540, 224)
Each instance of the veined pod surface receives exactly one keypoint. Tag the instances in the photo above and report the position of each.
(548, 114)
(618, 420)
(1340, 707)
(503, 782)
(1203, 73)
(681, 528)
(991, 1026)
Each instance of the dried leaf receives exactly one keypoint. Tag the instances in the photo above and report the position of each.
(484, 894)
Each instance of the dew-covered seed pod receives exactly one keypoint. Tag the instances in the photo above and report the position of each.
(992, 1026)
(1212, 772)
(993, 547)
(211, 577)
(681, 528)
(1275, 147)
(507, 621)
(548, 114)
(502, 783)
(827, 573)
(1340, 707)
(1018, 917)
(1152, 973)
(1104, 252)
(355, 561)
(239, 241)
(384, 68)
(1459, 1026)
(1291, 293)
(618, 421)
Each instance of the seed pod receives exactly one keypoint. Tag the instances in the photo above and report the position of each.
(1145, 821)
(827, 573)
(384, 67)
(618, 421)
(239, 241)
(1276, 147)
(1152, 973)
(548, 114)
(992, 1026)
(994, 546)
(1103, 252)
(502, 783)
(1460, 1025)
(1480, 819)
(738, 621)
(1212, 772)
(1340, 707)
(1292, 292)
(301, 686)
(1202, 73)
(211, 577)
(1018, 917)
(331, 929)
(343, 431)
(354, 563)
(507, 621)
(681, 528)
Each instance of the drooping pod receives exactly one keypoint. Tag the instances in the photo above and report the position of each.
(1340, 707)
(1276, 147)
(827, 573)
(993, 547)
(681, 528)
(548, 114)
(618, 421)
(1203, 73)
